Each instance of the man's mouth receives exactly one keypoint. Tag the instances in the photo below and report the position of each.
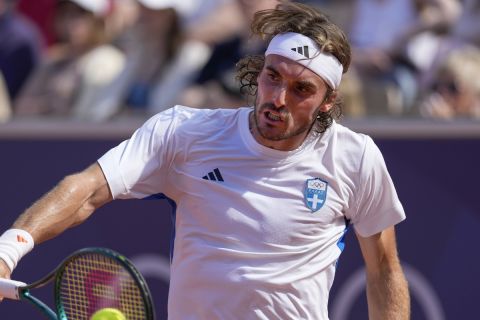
(272, 116)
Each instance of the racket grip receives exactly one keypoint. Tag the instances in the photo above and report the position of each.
(9, 288)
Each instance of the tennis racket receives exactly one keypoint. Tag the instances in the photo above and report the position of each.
(87, 282)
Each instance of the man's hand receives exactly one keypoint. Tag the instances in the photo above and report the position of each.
(4, 272)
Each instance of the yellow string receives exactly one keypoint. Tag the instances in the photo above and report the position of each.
(118, 290)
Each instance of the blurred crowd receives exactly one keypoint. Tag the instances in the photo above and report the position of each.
(98, 60)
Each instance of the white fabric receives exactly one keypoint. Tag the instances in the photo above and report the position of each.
(190, 11)
(159, 4)
(98, 88)
(14, 244)
(249, 247)
(191, 57)
(98, 7)
(304, 50)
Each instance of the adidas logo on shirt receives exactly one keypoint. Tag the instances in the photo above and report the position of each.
(303, 51)
(214, 175)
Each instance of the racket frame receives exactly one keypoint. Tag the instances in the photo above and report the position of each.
(124, 262)
(24, 291)
(24, 294)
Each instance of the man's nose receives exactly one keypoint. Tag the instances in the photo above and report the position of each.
(280, 96)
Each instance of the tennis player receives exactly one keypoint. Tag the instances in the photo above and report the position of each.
(263, 194)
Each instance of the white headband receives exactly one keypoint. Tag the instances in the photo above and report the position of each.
(304, 50)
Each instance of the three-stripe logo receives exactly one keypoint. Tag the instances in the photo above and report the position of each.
(214, 175)
(303, 51)
(21, 239)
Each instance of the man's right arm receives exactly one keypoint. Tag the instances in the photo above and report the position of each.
(70, 203)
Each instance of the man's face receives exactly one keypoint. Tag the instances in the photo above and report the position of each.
(288, 100)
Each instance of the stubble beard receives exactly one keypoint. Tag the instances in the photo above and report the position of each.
(286, 134)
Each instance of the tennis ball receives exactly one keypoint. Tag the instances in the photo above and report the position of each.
(108, 314)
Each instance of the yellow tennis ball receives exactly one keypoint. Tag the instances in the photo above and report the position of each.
(108, 314)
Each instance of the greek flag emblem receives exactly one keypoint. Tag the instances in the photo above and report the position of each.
(315, 193)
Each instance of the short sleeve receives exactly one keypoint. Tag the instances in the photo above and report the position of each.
(138, 167)
(377, 203)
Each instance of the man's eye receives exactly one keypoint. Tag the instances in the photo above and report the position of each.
(303, 89)
(272, 76)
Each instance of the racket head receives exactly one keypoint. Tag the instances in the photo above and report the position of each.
(95, 278)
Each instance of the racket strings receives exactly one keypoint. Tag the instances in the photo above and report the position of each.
(93, 281)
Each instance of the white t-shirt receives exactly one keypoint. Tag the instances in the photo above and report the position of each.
(258, 231)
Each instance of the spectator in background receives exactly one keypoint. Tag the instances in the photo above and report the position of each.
(455, 93)
(159, 64)
(467, 27)
(382, 35)
(5, 109)
(76, 68)
(216, 84)
(214, 21)
(20, 47)
(465, 32)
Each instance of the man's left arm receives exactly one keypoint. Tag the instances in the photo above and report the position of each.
(387, 289)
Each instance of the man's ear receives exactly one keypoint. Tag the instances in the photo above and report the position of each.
(329, 101)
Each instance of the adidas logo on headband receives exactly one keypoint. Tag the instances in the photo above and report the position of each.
(297, 47)
(303, 51)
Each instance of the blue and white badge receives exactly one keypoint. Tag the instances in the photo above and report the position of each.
(315, 193)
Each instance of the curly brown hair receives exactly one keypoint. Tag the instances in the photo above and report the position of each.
(306, 20)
